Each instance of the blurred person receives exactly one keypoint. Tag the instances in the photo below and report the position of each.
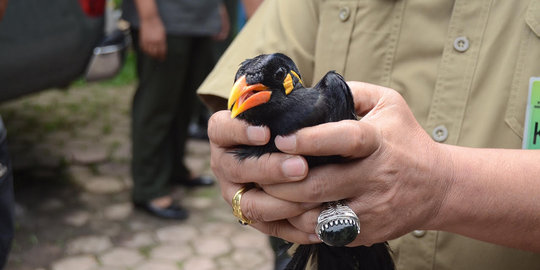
(7, 200)
(173, 42)
(201, 114)
(435, 161)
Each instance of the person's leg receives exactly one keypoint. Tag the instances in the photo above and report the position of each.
(155, 106)
(200, 63)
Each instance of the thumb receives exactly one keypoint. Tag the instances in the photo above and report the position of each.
(366, 96)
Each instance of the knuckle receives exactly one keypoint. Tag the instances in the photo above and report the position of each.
(237, 171)
(274, 229)
(316, 189)
(251, 211)
(357, 138)
(310, 140)
(263, 165)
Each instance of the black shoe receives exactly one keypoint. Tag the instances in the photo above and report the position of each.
(201, 181)
(173, 211)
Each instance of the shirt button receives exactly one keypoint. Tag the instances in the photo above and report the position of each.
(461, 44)
(344, 13)
(440, 133)
(419, 233)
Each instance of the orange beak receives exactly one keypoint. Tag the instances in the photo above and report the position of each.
(244, 97)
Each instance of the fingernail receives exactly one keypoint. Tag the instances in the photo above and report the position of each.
(256, 134)
(294, 167)
(314, 238)
(286, 143)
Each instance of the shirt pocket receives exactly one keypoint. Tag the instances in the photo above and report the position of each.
(528, 65)
(353, 38)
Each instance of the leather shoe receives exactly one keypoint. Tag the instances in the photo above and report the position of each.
(200, 181)
(173, 211)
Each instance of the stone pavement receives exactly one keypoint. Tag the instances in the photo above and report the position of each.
(71, 153)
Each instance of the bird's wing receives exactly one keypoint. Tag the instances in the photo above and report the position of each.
(336, 97)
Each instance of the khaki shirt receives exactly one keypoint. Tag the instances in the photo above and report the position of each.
(463, 66)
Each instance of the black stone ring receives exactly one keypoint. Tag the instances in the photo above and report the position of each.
(337, 224)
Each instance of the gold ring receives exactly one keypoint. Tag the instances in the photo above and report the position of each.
(237, 211)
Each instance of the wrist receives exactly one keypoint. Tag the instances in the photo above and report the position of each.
(151, 19)
(443, 174)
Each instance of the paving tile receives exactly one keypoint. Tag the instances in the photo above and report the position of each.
(140, 239)
(157, 265)
(220, 228)
(250, 238)
(76, 262)
(171, 252)
(77, 218)
(84, 152)
(248, 258)
(121, 257)
(211, 246)
(80, 174)
(119, 211)
(200, 263)
(88, 244)
(179, 234)
(52, 204)
(199, 203)
(118, 169)
(104, 185)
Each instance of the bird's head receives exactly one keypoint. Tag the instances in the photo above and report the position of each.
(262, 78)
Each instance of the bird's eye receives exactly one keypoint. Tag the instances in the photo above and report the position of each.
(280, 74)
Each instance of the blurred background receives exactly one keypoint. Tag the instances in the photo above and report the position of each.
(67, 78)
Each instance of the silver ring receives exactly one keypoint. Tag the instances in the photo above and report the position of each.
(337, 224)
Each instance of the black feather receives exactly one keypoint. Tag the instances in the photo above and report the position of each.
(329, 101)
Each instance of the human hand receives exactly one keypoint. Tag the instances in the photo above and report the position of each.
(394, 180)
(268, 213)
(225, 25)
(3, 6)
(153, 38)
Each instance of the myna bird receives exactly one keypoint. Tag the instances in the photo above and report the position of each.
(268, 91)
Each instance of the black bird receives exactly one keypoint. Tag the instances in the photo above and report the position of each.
(269, 91)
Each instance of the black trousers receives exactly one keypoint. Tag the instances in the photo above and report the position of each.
(161, 112)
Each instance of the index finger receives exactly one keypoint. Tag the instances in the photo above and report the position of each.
(347, 138)
(226, 132)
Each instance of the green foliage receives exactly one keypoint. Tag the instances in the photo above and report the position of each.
(117, 3)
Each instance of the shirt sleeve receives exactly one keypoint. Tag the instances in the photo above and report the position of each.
(285, 26)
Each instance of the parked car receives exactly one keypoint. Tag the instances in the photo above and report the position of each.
(48, 44)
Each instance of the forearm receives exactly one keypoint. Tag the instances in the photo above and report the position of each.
(147, 10)
(3, 6)
(494, 196)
